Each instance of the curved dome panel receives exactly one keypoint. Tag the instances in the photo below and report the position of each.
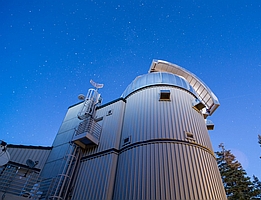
(202, 90)
(157, 78)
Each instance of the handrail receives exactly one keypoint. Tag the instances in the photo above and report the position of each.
(89, 126)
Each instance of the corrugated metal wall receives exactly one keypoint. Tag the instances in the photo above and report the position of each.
(148, 118)
(22, 154)
(167, 170)
(111, 121)
(96, 175)
(96, 178)
(111, 127)
(160, 162)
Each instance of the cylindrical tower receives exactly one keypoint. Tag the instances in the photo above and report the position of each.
(165, 150)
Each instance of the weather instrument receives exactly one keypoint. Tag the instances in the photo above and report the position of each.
(96, 85)
(4, 155)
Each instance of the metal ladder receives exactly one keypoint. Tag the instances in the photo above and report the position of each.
(60, 185)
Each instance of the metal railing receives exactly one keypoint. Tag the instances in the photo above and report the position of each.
(90, 126)
(20, 181)
(26, 182)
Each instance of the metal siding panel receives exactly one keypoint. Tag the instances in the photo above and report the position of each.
(73, 112)
(151, 170)
(189, 176)
(21, 154)
(155, 122)
(183, 173)
(193, 173)
(160, 169)
(64, 137)
(58, 152)
(154, 119)
(124, 186)
(162, 176)
(201, 174)
(156, 172)
(209, 181)
(76, 195)
(69, 125)
(91, 176)
(111, 128)
(96, 178)
(166, 171)
(121, 187)
(169, 166)
(145, 174)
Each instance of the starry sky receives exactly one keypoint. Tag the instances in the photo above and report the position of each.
(49, 51)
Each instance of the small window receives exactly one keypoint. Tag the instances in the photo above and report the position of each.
(109, 113)
(165, 95)
(126, 140)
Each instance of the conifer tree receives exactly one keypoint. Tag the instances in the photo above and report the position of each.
(257, 188)
(237, 184)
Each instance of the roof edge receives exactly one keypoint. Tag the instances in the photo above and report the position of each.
(28, 146)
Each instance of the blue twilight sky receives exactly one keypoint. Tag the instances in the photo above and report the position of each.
(49, 50)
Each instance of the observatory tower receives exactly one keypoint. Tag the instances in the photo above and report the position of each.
(151, 143)
(165, 150)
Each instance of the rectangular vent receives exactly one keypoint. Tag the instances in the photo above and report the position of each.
(198, 105)
(189, 135)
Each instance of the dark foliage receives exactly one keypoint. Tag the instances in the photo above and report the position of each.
(237, 184)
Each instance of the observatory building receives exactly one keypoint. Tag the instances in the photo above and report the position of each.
(151, 143)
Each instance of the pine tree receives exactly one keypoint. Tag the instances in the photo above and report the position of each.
(257, 188)
(237, 184)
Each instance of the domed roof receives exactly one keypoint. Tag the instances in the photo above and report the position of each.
(157, 78)
(203, 91)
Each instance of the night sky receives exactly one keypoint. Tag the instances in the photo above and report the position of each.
(51, 49)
